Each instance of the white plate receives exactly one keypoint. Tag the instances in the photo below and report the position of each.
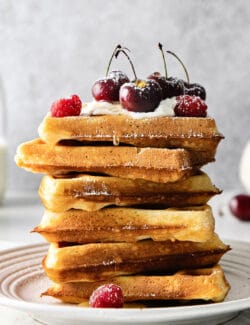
(22, 280)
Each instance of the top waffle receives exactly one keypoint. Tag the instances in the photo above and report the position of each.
(199, 134)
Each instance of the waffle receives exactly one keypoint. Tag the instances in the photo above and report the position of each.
(171, 132)
(206, 284)
(128, 225)
(100, 261)
(90, 193)
(153, 164)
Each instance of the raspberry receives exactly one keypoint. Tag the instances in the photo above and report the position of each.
(66, 107)
(191, 106)
(107, 296)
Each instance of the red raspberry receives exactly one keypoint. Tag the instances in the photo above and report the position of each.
(190, 106)
(66, 107)
(107, 296)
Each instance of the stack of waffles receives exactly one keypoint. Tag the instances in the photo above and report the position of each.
(126, 203)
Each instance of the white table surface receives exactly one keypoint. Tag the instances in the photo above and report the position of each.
(22, 211)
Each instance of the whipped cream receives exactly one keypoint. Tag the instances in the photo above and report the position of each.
(165, 108)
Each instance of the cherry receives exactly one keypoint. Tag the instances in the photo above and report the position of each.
(119, 76)
(239, 206)
(195, 89)
(170, 86)
(192, 89)
(105, 89)
(108, 88)
(107, 296)
(140, 95)
(190, 106)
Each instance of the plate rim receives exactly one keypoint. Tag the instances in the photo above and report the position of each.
(151, 314)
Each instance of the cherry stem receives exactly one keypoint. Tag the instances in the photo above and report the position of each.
(112, 56)
(164, 59)
(185, 69)
(123, 50)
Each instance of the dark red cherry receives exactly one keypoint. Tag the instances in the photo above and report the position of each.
(175, 87)
(195, 89)
(119, 76)
(239, 206)
(105, 89)
(140, 95)
(156, 76)
(108, 88)
(170, 86)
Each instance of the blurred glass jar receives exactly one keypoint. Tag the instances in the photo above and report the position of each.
(3, 144)
(245, 167)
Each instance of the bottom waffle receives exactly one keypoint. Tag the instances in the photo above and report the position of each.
(207, 284)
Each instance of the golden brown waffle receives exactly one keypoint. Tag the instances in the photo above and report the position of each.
(92, 193)
(128, 225)
(206, 284)
(154, 164)
(100, 261)
(165, 132)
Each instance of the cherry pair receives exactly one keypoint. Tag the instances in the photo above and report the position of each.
(145, 95)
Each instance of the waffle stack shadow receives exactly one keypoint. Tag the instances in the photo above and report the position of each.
(126, 203)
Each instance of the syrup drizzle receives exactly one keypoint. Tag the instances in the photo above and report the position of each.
(116, 140)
